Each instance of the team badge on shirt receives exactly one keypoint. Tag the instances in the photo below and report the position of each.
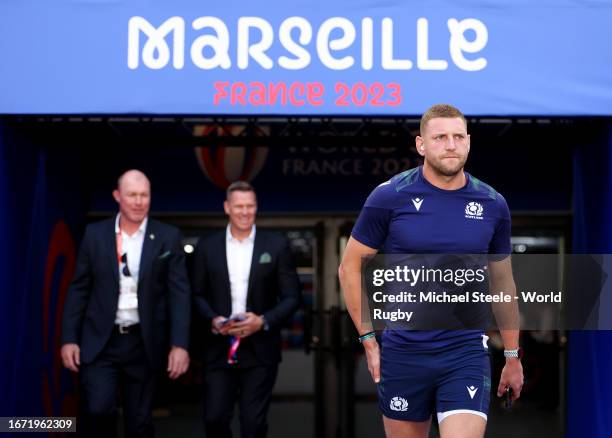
(474, 210)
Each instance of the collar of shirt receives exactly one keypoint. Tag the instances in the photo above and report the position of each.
(141, 229)
(230, 238)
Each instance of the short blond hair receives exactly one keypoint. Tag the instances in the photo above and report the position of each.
(238, 186)
(441, 110)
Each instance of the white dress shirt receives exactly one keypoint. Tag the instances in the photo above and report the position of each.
(127, 311)
(239, 255)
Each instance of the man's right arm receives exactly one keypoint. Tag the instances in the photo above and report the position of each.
(508, 321)
(76, 305)
(349, 273)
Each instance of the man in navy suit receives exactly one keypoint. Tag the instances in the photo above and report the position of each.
(127, 312)
(245, 286)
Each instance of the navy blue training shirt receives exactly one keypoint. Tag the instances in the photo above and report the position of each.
(409, 215)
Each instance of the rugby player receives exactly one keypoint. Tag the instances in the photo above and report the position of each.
(435, 208)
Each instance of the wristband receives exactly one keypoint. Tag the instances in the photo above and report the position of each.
(366, 336)
(517, 354)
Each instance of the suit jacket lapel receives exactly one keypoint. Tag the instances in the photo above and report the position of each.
(110, 242)
(257, 250)
(146, 257)
(227, 294)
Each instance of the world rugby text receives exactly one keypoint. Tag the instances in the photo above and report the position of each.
(299, 94)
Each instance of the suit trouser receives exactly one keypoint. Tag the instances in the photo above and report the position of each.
(123, 366)
(251, 386)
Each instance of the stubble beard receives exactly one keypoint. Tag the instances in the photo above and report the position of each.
(448, 171)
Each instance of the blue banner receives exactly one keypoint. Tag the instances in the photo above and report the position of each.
(318, 57)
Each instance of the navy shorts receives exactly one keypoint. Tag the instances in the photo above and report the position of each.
(416, 383)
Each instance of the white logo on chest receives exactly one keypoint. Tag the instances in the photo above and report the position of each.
(474, 210)
(417, 203)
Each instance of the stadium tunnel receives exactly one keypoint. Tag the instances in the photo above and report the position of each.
(312, 175)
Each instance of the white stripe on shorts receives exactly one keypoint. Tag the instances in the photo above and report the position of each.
(443, 415)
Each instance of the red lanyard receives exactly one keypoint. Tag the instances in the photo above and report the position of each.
(232, 354)
(119, 242)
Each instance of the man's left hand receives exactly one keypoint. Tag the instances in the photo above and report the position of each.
(250, 324)
(178, 362)
(511, 376)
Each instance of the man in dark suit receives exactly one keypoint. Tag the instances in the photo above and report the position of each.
(245, 286)
(128, 302)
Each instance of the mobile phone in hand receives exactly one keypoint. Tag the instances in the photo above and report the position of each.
(508, 397)
(239, 317)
